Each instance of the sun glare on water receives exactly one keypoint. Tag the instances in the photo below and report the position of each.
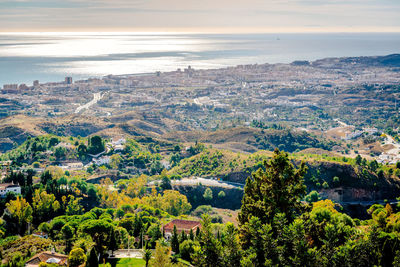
(92, 44)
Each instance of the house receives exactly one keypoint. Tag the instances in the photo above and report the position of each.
(9, 187)
(121, 141)
(48, 257)
(40, 234)
(118, 145)
(181, 225)
(72, 166)
(102, 160)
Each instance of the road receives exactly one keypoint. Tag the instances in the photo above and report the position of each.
(205, 181)
(96, 98)
(370, 203)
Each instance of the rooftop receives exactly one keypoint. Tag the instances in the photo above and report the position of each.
(7, 185)
(48, 257)
(181, 225)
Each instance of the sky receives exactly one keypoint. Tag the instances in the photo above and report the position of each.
(201, 15)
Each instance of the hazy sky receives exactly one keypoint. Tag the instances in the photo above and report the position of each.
(200, 15)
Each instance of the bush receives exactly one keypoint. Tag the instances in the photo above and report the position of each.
(313, 196)
(203, 209)
(216, 219)
(336, 180)
(186, 249)
(208, 194)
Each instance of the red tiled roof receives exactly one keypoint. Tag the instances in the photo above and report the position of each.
(45, 256)
(7, 185)
(181, 225)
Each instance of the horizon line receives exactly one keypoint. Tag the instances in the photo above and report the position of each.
(193, 32)
(217, 30)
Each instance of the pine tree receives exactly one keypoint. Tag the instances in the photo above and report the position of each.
(277, 190)
(210, 251)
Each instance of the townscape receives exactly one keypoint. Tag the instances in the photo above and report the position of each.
(164, 169)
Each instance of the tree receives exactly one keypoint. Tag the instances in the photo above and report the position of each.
(166, 183)
(186, 249)
(54, 141)
(76, 257)
(209, 252)
(60, 152)
(313, 196)
(208, 194)
(44, 205)
(231, 252)
(278, 189)
(93, 259)
(221, 194)
(183, 236)
(161, 256)
(18, 215)
(115, 160)
(358, 160)
(154, 233)
(82, 151)
(156, 167)
(191, 235)
(96, 145)
(100, 231)
(175, 240)
(175, 203)
(147, 256)
(17, 260)
(73, 207)
(113, 242)
(373, 165)
(68, 234)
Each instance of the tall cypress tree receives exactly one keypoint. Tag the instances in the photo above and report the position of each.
(183, 237)
(191, 235)
(175, 240)
(93, 259)
(113, 246)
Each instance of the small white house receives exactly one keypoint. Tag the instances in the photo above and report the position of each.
(102, 160)
(9, 187)
(121, 141)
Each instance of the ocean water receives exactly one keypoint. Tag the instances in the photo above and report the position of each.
(25, 57)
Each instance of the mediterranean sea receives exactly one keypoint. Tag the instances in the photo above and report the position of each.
(46, 57)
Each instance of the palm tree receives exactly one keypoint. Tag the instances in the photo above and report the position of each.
(147, 256)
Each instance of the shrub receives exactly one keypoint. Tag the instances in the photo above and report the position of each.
(221, 194)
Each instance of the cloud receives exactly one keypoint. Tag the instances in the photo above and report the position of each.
(100, 14)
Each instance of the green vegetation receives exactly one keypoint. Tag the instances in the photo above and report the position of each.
(88, 212)
(127, 262)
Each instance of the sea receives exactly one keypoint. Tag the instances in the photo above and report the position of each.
(48, 57)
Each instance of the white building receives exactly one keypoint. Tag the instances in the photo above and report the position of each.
(72, 166)
(9, 187)
(102, 160)
(118, 142)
